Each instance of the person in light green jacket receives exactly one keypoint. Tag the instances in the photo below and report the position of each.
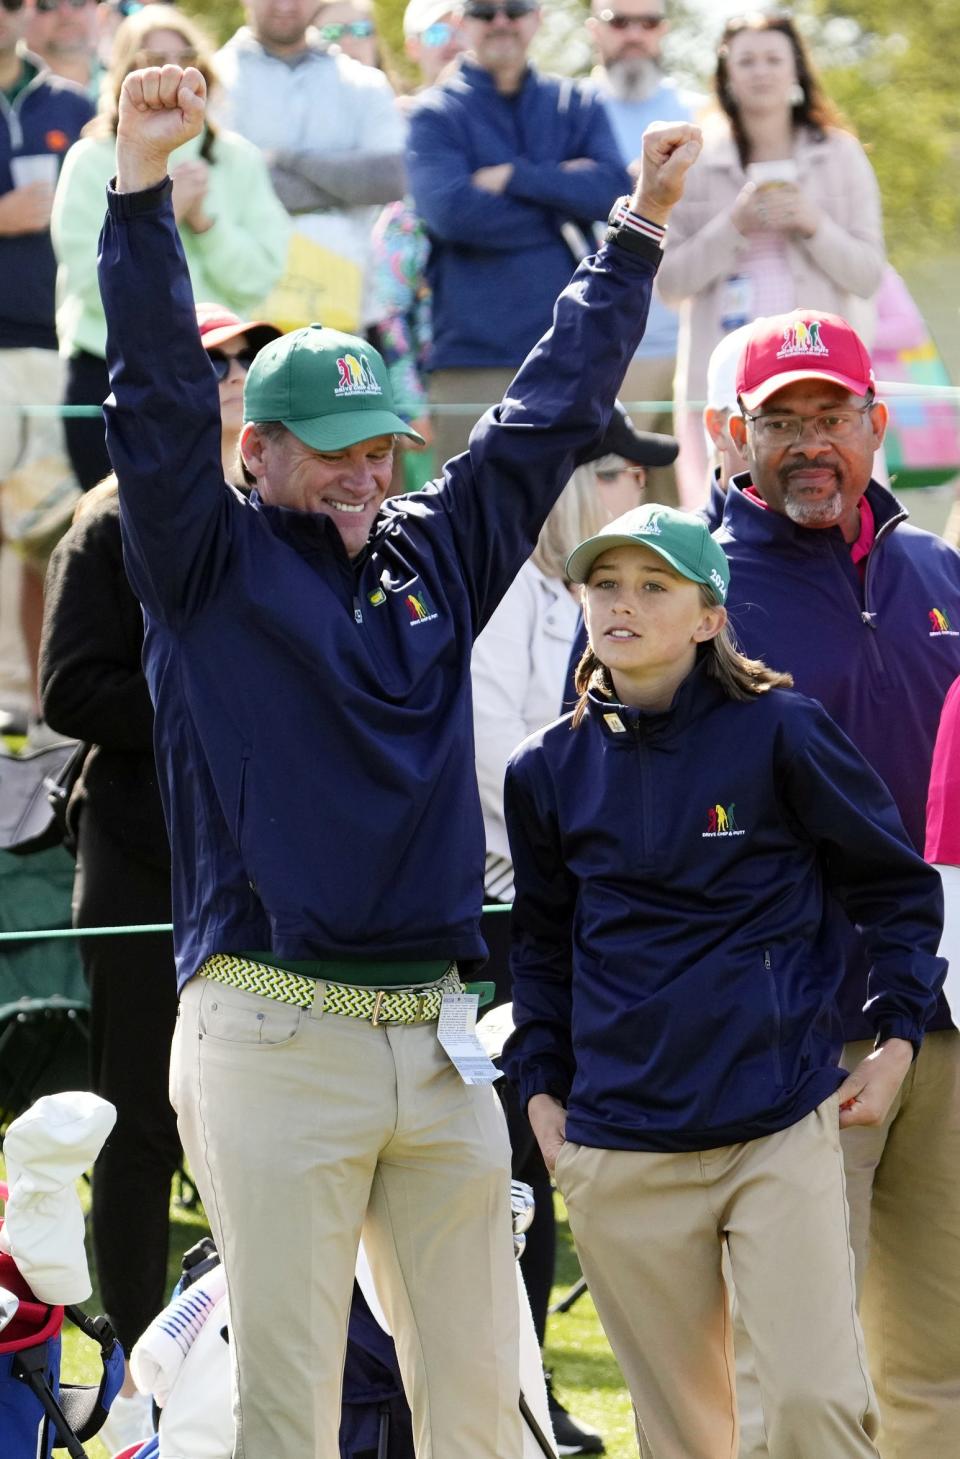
(234, 229)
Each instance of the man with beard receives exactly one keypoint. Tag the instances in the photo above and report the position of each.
(831, 583)
(628, 36)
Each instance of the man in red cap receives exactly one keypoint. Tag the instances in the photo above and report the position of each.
(830, 582)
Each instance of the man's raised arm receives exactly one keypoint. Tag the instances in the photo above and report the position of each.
(163, 421)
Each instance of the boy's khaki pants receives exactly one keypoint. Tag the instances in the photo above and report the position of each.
(650, 1230)
(304, 1127)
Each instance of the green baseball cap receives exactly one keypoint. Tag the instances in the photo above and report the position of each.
(330, 389)
(680, 538)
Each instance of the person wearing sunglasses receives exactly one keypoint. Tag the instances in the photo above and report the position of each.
(65, 34)
(349, 24)
(509, 169)
(627, 37)
(233, 227)
(93, 688)
(40, 116)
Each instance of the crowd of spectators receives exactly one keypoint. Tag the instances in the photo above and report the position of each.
(441, 221)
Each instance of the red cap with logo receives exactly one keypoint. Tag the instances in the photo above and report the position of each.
(784, 348)
(217, 324)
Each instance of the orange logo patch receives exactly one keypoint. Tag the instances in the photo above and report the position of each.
(57, 141)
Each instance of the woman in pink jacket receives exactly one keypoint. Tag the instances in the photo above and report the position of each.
(781, 211)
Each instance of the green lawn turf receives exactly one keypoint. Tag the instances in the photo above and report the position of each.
(586, 1378)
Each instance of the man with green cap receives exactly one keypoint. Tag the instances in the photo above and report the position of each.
(308, 653)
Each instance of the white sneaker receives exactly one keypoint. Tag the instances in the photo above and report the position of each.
(129, 1421)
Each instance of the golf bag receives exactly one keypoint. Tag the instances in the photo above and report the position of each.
(37, 1412)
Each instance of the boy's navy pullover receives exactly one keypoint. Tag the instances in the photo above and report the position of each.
(674, 974)
(498, 261)
(314, 717)
(879, 654)
(46, 117)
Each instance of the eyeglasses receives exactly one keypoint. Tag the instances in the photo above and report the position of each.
(12, 5)
(46, 7)
(438, 34)
(221, 362)
(186, 57)
(359, 29)
(616, 21)
(833, 426)
(511, 9)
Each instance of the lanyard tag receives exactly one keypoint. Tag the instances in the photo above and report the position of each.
(457, 1032)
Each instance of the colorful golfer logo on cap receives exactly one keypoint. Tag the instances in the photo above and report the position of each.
(940, 625)
(802, 338)
(722, 821)
(419, 609)
(356, 377)
(651, 527)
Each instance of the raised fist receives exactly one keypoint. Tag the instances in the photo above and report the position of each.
(669, 151)
(160, 108)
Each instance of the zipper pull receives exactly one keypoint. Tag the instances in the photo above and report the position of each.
(357, 611)
(867, 618)
(766, 959)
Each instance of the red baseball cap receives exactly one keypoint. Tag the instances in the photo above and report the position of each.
(218, 324)
(804, 345)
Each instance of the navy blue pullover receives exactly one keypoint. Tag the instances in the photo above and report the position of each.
(46, 117)
(498, 261)
(314, 727)
(873, 652)
(674, 974)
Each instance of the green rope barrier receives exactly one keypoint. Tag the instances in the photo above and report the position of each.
(886, 390)
(50, 934)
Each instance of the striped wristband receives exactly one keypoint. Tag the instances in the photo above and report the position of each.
(623, 216)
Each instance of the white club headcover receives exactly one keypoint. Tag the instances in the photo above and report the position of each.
(47, 1149)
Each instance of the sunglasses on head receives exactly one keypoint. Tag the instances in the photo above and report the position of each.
(624, 22)
(359, 29)
(438, 34)
(511, 9)
(186, 57)
(221, 362)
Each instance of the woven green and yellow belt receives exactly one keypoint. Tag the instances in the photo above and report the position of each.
(378, 1005)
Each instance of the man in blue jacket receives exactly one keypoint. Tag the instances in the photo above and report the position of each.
(508, 170)
(308, 653)
(830, 582)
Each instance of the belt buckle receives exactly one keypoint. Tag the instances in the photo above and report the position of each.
(377, 1005)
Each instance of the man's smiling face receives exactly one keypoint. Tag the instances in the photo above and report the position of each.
(816, 482)
(348, 485)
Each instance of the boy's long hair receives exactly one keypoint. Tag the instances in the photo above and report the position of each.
(739, 677)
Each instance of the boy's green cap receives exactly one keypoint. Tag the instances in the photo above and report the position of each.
(330, 389)
(680, 538)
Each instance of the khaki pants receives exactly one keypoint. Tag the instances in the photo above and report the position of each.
(650, 1230)
(653, 380)
(903, 1188)
(903, 1184)
(480, 388)
(303, 1128)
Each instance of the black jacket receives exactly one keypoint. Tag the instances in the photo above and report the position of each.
(92, 685)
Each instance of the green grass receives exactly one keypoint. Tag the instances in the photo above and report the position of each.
(585, 1375)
